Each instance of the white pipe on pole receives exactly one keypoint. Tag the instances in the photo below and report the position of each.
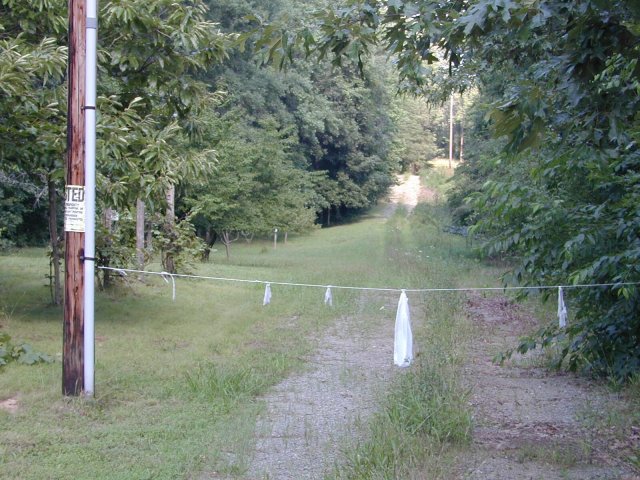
(90, 196)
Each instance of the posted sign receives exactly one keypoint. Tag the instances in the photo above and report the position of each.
(74, 208)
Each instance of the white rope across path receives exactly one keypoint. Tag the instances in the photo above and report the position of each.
(403, 339)
(372, 289)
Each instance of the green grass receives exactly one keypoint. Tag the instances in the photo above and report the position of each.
(437, 180)
(176, 382)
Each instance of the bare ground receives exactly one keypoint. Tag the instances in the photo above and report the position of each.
(406, 192)
(531, 423)
(10, 405)
(312, 416)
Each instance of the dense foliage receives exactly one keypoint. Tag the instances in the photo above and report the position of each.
(32, 119)
(336, 124)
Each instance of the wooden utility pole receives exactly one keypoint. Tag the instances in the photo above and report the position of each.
(73, 330)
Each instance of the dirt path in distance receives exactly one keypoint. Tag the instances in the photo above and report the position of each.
(533, 424)
(406, 193)
(10, 405)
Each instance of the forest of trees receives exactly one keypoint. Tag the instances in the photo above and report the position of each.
(223, 120)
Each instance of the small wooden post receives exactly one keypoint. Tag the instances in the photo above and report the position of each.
(73, 327)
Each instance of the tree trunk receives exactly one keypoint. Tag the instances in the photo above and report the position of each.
(329, 216)
(450, 130)
(106, 261)
(140, 253)
(461, 141)
(286, 236)
(169, 263)
(226, 240)
(170, 222)
(209, 240)
(149, 241)
(55, 243)
(171, 204)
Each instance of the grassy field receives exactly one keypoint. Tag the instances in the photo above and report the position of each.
(176, 382)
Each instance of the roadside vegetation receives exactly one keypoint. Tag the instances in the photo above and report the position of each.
(175, 382)
(178, 383)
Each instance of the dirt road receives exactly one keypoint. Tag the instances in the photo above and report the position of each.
(406, 193)
(530, 423)
(311, 416)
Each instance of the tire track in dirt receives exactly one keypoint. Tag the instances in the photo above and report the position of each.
(311, 416)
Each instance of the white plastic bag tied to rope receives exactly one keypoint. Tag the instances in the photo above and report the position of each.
(328, 298)
(173, 283)
(562, 309)
(403, 339)
(267, 295)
